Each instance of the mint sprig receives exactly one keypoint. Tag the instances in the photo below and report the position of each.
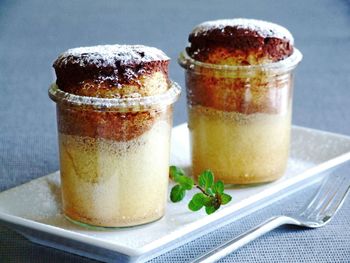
(211, 195)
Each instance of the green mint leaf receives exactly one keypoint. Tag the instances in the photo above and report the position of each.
(225, 199)
(218, 187)
(177, 193)
(206, 179)
(178, 175)
(194, 207)
(185, 182)
(175, 172)
(209, 192)
(199, 198)
(210, 209)
(197, 202)
(212, 194)
(209, 201)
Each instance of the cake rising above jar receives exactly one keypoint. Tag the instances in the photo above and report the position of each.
(114, 116)
(239, 79)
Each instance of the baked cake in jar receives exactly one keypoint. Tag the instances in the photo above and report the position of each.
(114, 114)
(239, 91)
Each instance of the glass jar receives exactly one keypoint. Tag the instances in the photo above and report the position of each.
(239, 118)
(114, 157)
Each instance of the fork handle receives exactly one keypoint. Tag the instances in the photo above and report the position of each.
(233, 244)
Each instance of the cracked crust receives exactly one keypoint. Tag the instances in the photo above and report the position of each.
(112, 71)
(239, 42)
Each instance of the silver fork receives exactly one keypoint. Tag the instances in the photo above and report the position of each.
(317, 213)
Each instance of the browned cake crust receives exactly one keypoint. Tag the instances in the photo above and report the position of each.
(249, 41)
(238, 42)
(109, 70)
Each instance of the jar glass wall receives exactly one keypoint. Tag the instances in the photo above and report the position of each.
(239, 118)
(114, 157)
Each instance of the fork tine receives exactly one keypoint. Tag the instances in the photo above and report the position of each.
(325, 193)
(317, 196)
(336, 204)
(332, 191)
(320, 195)
(331, 198)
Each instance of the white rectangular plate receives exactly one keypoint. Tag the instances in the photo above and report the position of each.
(34, 209)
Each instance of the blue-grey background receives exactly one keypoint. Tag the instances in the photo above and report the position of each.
(33, 33)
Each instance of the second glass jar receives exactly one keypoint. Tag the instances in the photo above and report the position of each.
(239, 118)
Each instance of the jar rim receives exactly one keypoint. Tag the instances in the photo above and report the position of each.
(282, 66)
(116, 104)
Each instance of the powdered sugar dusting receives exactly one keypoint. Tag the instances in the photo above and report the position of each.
(263, 28)
(110, 55)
